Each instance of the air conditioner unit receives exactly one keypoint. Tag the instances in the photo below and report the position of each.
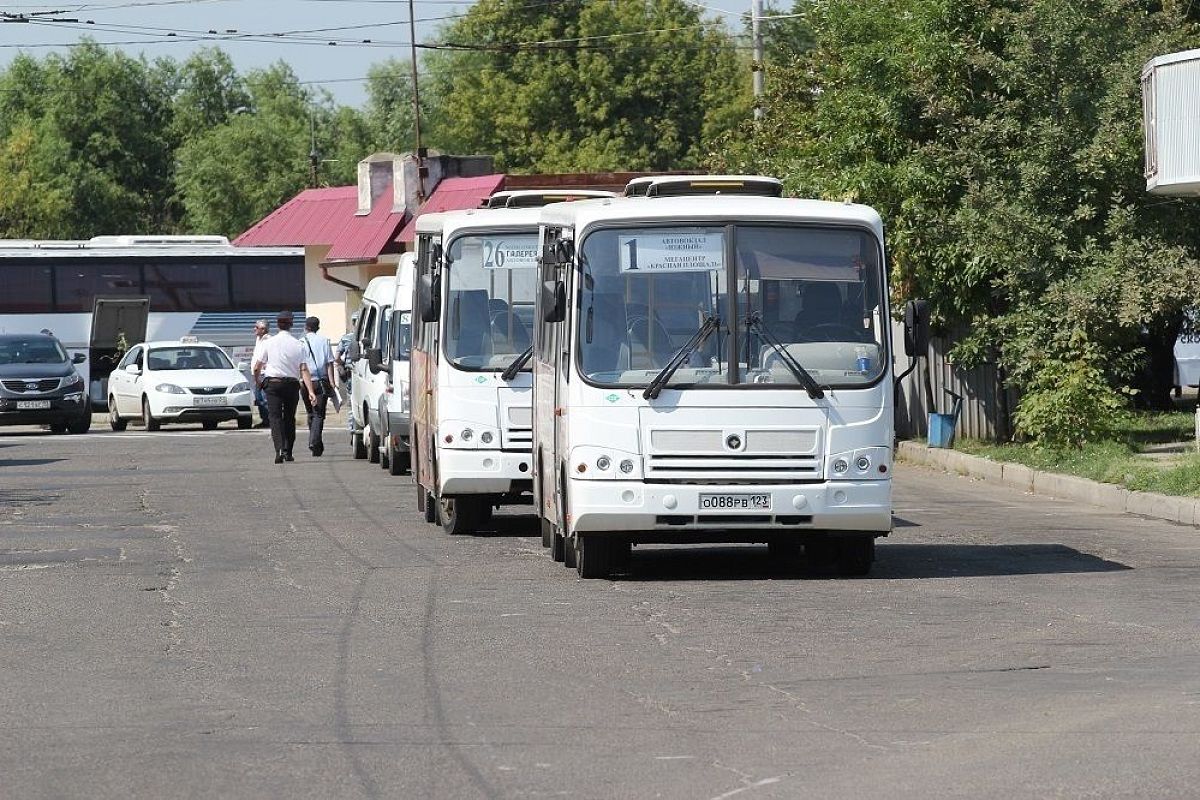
(1171, 119)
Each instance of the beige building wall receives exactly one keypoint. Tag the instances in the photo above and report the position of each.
(332, 303)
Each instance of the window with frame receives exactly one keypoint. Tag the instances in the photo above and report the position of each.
(200, 285)
(77, 284)
(28, 288)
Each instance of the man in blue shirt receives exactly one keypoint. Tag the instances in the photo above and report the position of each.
(319, 357)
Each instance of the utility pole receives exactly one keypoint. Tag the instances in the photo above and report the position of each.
(314, 158)
(416, 99)
(757, 68)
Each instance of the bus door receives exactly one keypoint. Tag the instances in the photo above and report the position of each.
(118, 323)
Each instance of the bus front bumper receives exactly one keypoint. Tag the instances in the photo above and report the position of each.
(633, 506)
(482, 471)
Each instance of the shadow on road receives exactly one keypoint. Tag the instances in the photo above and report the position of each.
(893, 562)
(509, 525)
(28, 462)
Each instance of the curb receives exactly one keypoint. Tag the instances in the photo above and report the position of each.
(1183, 510)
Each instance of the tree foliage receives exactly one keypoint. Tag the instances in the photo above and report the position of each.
(598, 93)
(1002, 142)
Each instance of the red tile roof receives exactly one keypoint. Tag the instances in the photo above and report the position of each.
(454, 194)
(328, 216)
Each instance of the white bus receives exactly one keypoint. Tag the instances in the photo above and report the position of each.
(712, 369)
(470, 387)
(105, 294)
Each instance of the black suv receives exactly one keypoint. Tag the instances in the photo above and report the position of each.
(39, 384)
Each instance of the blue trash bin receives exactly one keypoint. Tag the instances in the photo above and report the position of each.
(941, 430)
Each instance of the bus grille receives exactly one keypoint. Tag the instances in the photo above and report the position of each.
(731, 468)
(734, 455)
(32, 385)
(518, 434)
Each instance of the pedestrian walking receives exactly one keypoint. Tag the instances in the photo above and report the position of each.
(345, 370)
(280, 368)
(318, 357)
(262, 332)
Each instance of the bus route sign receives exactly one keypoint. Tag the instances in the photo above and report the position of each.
(693, 250)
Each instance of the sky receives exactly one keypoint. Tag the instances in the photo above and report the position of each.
(142, 27)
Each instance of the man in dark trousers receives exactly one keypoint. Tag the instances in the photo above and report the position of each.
(318, 357)
(279, 368)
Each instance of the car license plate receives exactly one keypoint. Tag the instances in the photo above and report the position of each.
(29, 405)
(210, 401)
(735, 502)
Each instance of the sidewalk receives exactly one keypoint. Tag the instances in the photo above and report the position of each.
(1183, 510)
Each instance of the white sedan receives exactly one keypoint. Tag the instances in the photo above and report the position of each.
(178, 381)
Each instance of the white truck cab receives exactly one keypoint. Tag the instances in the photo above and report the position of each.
(712, 368)
(368, 386)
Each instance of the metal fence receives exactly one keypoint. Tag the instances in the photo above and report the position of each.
(986, 408)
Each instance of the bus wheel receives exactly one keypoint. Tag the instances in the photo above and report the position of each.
(426, 504)
(372, 444)
(114, 418)
(558, 546)
(855, 555)
(360, 447)
(462, 514)
(547, 531)
(385, 455)
(398, 462)
(570, 552)
(595, 555)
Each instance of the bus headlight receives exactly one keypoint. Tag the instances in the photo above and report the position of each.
(605, 463)
(864, 464)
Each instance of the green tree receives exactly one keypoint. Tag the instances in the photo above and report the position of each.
(1002, 143)
(584, 86)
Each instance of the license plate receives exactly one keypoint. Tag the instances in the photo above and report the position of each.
(29, 405)
(735, 502)
(209, 401)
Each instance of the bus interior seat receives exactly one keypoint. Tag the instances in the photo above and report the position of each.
(501, 323)
(608, 348)
(470, 324)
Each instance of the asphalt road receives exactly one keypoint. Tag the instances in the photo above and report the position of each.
(179, 617)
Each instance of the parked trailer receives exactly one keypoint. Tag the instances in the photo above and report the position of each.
(712, 369)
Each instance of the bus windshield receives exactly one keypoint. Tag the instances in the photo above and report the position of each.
(787, 301)
(491, 281)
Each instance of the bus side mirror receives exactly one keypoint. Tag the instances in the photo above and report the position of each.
(916, 328)
(375, 359)
(554, 301)
(428, 292)
(78, 358)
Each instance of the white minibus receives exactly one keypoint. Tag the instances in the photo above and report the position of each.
(471, 390)
(712, 369)
(391, 361)
(367, 385)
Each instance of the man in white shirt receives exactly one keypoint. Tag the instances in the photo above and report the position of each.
(262, 332)
(279, 368)
(318, 357)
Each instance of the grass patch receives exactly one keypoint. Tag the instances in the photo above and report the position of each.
(1121, 460)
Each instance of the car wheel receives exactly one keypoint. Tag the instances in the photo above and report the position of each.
(147, 418)
(245, 422)
(114, 417)
(83, 424)
(209, 424)
(360, 447)
(58, 427)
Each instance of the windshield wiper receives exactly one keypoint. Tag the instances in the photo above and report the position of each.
(517, 364)
(802, 375)
(710, 324)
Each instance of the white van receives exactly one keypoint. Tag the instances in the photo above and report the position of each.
(367, 386)
(392, 363)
